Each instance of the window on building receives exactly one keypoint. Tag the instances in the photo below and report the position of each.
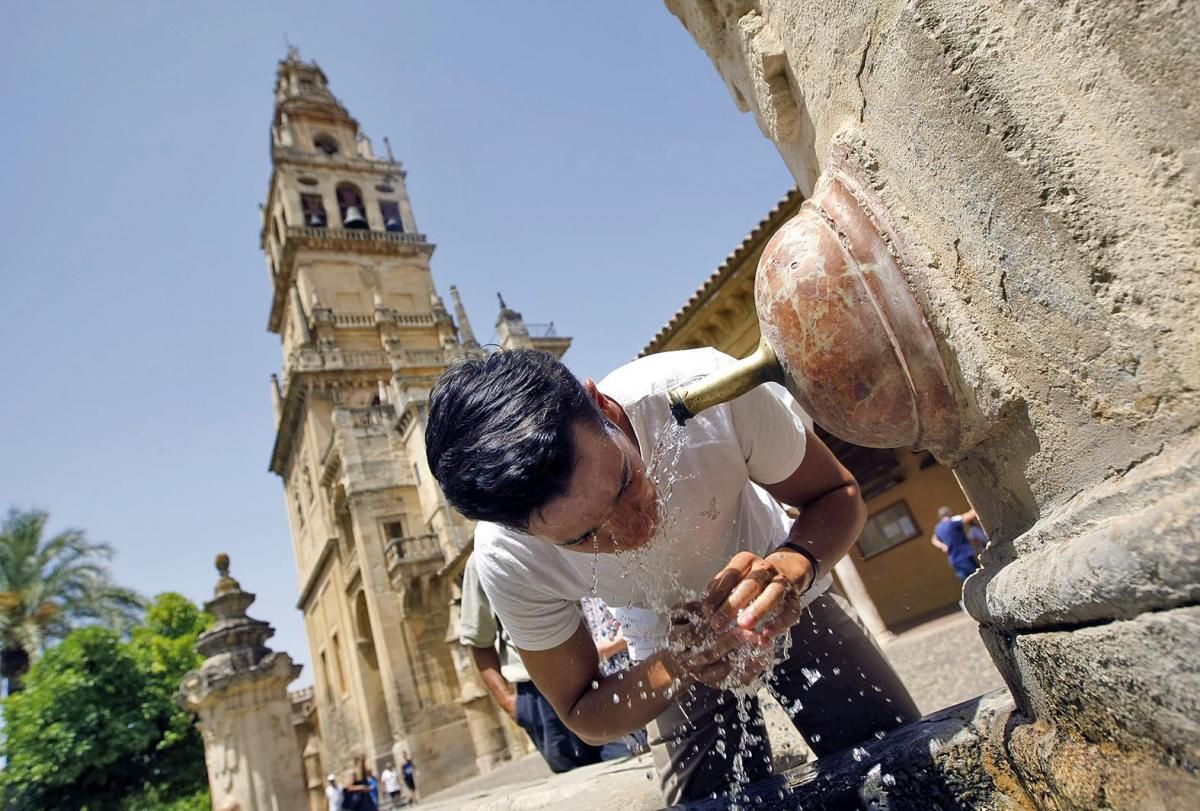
(326, 143)
(350, 204)
(325, 673)
(390, 210)
(394, 534)
(887, 528)
(313, 208)
(337, 661)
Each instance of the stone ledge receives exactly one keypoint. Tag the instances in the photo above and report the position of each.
(940, 761)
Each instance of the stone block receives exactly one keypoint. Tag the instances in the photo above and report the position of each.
(1135, 683)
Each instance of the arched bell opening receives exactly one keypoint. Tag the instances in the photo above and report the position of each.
(350, 205)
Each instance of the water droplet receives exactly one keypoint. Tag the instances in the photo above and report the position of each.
(616, 699)
(889, 780)
(859, 753)
(595, 685)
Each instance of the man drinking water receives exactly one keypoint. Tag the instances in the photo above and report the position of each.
(559, 475)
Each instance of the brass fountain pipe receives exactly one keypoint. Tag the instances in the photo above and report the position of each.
(723, 385)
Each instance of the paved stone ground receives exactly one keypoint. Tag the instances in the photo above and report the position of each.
(943, 662)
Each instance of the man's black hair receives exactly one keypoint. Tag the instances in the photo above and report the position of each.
(499, 433)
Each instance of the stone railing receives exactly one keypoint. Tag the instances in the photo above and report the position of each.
(310, 360)
(420, 357)
(412, 319)
(414, 549)
(306, 233)
(382, 315)
(353, 320)
(378, 415)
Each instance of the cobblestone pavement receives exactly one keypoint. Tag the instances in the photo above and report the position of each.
(943, 662)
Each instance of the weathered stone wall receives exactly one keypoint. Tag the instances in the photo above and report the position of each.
(1041, 165)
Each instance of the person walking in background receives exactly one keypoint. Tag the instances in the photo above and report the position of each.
(356, 795)
(333, 793)
(391, 783)
(410, 780)
(977, 537)
(373, 787)
(950, 536)
(500, 668)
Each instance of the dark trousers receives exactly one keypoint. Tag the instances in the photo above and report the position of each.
(964, 567)
(562, 748)
(835, 684)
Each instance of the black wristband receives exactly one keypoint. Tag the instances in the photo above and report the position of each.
(816, 567)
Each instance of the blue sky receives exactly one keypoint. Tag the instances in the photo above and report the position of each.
(583, 158)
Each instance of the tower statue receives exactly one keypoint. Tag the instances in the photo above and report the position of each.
(239, 696)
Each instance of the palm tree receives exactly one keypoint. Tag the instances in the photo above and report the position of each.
(48, 587)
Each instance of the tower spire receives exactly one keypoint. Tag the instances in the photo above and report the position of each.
(464, 323)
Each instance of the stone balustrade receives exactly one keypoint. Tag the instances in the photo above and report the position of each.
(340, 236)
(413, 549)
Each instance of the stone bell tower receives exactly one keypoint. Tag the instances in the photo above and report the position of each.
(364, 336)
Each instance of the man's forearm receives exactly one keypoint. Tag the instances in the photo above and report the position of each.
(618, 706)
(487, 662)
(829, 525)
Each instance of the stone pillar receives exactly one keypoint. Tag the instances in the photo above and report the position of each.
(1031, 170)
(239, 696)
(860, 598)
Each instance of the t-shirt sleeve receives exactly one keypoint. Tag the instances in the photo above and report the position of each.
(476, 623)
(772, 430)
(534, 618)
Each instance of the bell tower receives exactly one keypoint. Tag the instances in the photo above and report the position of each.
(364, 336)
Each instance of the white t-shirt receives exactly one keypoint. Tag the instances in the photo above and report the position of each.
(333, 796)
(713, 511)
(391, 783)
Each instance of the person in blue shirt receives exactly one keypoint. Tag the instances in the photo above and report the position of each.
(373, 787)
(950, 536)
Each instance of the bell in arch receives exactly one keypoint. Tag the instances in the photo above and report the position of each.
(354, 218)
(316, 219)
(393, 224)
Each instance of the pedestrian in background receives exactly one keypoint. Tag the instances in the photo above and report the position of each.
(333, 793)
(950, 536)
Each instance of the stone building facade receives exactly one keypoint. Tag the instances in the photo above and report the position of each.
(894, 577)
(364, 336)
(1035, 169)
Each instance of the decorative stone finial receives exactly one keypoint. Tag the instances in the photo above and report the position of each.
(503, 306)
(225, 583)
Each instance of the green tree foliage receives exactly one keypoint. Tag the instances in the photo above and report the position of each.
(97, 726)
(49, 586)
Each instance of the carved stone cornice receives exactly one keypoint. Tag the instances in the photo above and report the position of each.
(348, 163)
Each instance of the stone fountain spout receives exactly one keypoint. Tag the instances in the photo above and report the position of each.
(841, 328)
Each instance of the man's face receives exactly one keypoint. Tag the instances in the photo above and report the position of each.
(610, 504)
